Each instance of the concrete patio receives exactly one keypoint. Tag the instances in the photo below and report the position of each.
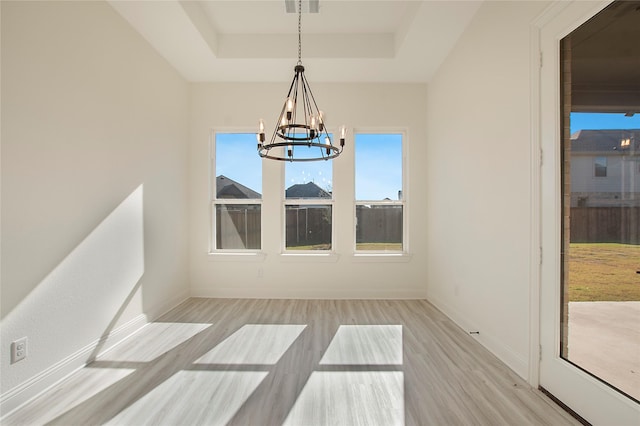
(604, 339)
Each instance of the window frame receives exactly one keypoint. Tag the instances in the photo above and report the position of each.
(403, 202)
(292, 253)
(242, 253)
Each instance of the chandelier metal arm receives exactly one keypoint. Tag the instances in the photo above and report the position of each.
(309, 96)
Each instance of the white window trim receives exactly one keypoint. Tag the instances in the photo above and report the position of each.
(235, 256)
(384, 255)
(302, 256)
(214, 253)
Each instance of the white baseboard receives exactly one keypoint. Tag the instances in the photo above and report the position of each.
(14, 398)
(28, 390)
(264, 293)
(156, 313)
(517, 362)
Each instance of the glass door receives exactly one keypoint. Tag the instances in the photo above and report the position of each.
(590, 210)
(600, 277)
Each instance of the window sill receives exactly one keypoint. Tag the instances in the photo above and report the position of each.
(221, 256)
(382, 257)
(310, 257)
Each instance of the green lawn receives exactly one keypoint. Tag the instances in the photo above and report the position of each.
(311, 247)
(604, 272)
(359, 246)
(379, 246)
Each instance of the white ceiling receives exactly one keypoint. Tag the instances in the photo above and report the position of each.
(256, 40)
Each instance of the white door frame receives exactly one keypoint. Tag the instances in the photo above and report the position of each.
(587, 396)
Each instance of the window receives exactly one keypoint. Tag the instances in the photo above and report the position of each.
(236, 192)
(380, 198)
(308, 205)
(600, 167)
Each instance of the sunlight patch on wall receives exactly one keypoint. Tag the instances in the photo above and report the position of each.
(91, 288)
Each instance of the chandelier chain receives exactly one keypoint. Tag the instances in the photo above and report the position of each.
(299, 32)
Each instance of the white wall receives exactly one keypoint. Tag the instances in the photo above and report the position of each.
(94, 184)
(94, 167)
(381, 107)
(478, 180)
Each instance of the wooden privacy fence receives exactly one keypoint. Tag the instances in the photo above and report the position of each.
(308, 226)
(238, 227)
(605, 225)
(379, 224)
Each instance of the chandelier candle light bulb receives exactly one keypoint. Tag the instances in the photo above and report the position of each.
(290, 106)
(310, 132)
(260, 135)
(313, 125)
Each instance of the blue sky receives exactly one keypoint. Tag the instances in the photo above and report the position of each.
(601, 121)
(378, 164)
(237, 158)
(378, 169)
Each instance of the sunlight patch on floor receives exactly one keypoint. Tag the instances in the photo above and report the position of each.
(152, 341)
(365, 345)
(350, 398)
(253, 344)
(193, 397)
(83, 385)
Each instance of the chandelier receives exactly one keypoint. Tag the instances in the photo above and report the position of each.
(301, 133)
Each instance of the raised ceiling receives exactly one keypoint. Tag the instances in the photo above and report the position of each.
(345, 41)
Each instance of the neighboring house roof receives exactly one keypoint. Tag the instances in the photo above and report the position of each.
(229, 188)
(603, 141)
(306, 190)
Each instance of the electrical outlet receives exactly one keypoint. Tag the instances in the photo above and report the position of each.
(18, 350)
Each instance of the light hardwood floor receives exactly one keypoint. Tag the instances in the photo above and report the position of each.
(295, 362)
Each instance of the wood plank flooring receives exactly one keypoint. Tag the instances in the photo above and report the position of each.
(295, 362)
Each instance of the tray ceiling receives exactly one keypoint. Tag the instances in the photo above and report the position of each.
(243, 40)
